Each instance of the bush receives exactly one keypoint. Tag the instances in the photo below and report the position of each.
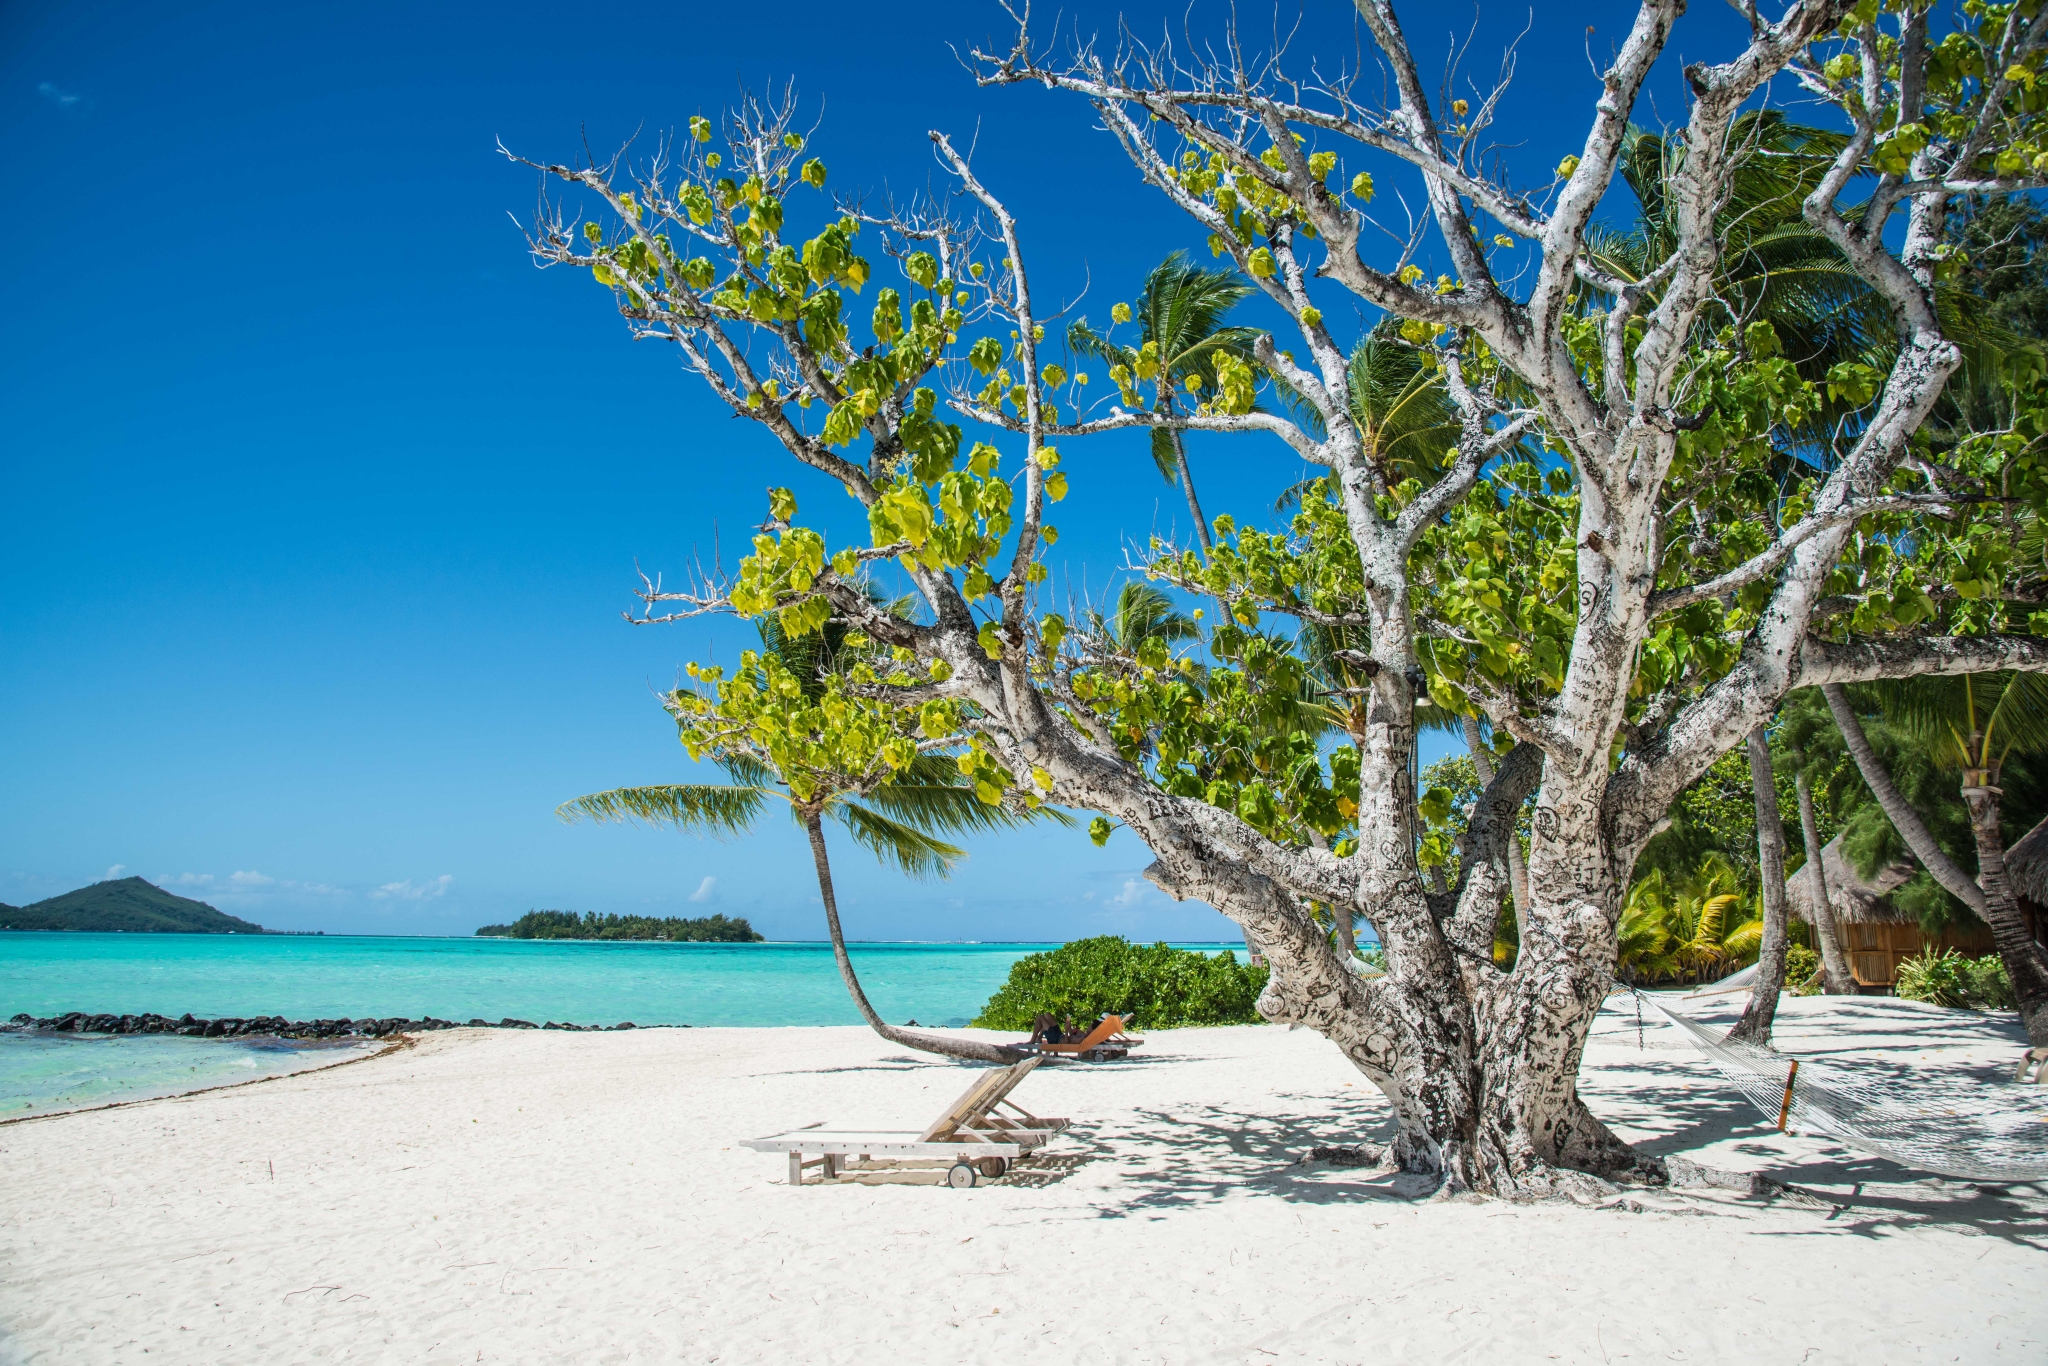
(1949, 979)
(1989, 987)
(1936, 978)
(714, 929)
(1154, 988)
(1802, 970)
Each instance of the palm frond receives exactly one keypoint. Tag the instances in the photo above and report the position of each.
(1183, 305)
(2019, 721)
(700, 808)
(1143, 613)
(1164, 455)
(909, 850)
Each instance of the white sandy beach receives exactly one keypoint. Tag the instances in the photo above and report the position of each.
(549, 1197)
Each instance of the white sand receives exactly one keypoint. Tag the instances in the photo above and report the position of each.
(548, 1197)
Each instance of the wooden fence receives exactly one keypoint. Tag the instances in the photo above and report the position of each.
(1876, 948)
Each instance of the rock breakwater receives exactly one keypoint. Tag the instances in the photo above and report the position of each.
(273, 1026)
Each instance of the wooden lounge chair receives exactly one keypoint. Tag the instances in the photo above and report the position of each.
(1106, 1040)
(970, 1134)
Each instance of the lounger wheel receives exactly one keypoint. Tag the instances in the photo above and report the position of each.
(992, 1167)
(961, 1177)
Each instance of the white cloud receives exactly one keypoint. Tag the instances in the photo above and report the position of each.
(64, 100)
(411, 891)
(251, 880)
(114, 870)
(186, 880)
(705, 889)
(1135, 890)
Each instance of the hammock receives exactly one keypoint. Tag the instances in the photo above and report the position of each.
(1955, 1127)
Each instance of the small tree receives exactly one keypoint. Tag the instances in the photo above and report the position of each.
(1613, 560)
(896, 802)
(1181, 333)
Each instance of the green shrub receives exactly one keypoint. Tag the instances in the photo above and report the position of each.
(1153, 988)
(1802, 970)
(1936, 978)
(1949, 979)
(1989, 987)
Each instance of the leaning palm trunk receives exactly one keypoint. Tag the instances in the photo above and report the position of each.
(1755, 1025)
(1187, 488)
(1893, 803)
(2025, 964)
(1834, 964)
(2024, 960)
(969, 1050)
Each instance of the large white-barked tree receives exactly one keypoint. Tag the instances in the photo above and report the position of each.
(1624, 564)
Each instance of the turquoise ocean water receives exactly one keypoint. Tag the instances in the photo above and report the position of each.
(303, 977)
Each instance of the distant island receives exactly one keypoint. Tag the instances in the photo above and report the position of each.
(125, 906)
(711, 929)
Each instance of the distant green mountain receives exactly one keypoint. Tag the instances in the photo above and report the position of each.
(129, 905)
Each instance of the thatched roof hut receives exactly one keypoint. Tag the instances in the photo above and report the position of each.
(1856, 899)
(2026, 865)
(1876, 935)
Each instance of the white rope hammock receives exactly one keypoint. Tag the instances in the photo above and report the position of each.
(1954, 1127)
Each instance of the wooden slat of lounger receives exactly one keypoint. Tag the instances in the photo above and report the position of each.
(980, 1098)
(898, 1143)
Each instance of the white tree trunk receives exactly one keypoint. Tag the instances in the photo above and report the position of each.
(1755, 1025)
(1834, 964)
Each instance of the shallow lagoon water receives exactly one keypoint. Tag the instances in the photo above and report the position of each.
(306, 977)
(43, 1073)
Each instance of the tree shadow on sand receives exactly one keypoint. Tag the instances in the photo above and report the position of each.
(1675, 1111)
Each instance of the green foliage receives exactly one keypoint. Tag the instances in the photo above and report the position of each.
(711, 929)
(1242, 717)
(1949, 979)
(1802, 970)
(2005, 245)
(1153, 988)
(1688, 930)
(129, 906)
(1183, 344)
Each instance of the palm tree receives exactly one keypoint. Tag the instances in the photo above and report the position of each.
(1180, 314)
(1974, 723)
(1401, 405)
(899, 821)
(1684, 930)
(1757, 1016)
(1143, 613)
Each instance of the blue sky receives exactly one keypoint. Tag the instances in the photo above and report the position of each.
(322, 504)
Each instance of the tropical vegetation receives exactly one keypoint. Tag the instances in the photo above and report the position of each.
(1666, 510)
(1151, 986)
(1947, 978)
(710, 929)
(894, 800)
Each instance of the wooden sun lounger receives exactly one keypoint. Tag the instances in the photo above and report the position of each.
(1106, 1040)
(978, 1141)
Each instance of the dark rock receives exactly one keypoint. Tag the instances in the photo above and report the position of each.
(229, 1026)
(1345, 1157)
